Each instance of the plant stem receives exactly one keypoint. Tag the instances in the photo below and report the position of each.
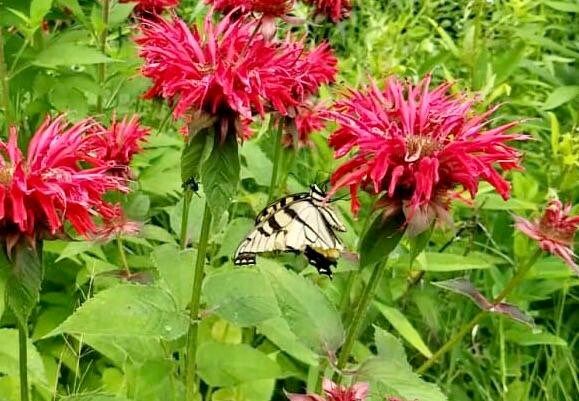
(360, 313)
(4, 88)
(276, 159)
(513, 282)
(23, 361)
(187, 196)
(192, 337)
(123, 257)
(101, 68)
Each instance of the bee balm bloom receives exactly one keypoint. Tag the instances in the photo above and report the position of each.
(54, 183)
(335, 10)
(152, 6)
(335, 392)
(554, 231)
(227, 70)
(415, 147)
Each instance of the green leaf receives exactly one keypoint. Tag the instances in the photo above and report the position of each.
(9, 364)
(278, 332)
(404, 327)
(309, 314)
(220, 175)
(258, 390)
(381, 237)
(222, 365)
(235, 231)
(128, 311)
(68, 54)
(243, 297)
(24, 280)
(92, 397)
(153, 381)
(4, 269)
(195, 153)
(449, 262)
(119, 13)
(555, 133)
(566, 6)
(560, 96)
(390, 374)
(418, 243)
(529, 338)
(175, 268)
(38, 9)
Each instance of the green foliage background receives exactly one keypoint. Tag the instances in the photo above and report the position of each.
(97, 337)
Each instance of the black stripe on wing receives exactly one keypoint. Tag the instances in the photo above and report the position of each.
(278, 205)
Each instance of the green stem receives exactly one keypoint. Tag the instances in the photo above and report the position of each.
(511, 285)
(4, 88)
(101, 68)
(276, 159)
(188, 195)
(192, 337)
(123, 256)
(23, 361)
(360, 314)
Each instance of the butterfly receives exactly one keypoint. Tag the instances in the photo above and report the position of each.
(299, 223)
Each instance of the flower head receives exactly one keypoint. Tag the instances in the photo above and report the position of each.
(554, 231)
(273, 8)
(335, 392)
(335, 10)
(118, 144)
(54, 183)
(116, 224)
(153, 6)
(226, 70)
(415, 147)
(309, 119)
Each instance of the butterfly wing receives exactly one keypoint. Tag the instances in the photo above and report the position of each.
(299, 226)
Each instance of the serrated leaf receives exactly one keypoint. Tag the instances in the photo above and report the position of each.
(278, 332)
(380, 238)
(220, 175)
(309, 314)
(9, 364)
(243, 297)
(128, 311)
(24, 280)
(390, 372)
(404, 327)
(175, 268)
(68, 54)
(222, 365)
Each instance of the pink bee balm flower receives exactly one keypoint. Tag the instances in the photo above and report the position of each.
(56, 182)
(227, 70)
(309, 119)
(415, 147)
(335, 392)
(554, 231)
(335, 10)
(116, 224)
(118, 144)
(152, 6)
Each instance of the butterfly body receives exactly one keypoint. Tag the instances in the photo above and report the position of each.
(300, 223)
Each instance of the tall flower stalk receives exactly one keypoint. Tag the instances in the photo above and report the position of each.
(414, 149)
(61, 180)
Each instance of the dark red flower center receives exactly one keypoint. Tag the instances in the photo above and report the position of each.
(6, 175)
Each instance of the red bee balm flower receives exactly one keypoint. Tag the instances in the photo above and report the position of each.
(227, 71)
(554, 231)
(335, 392)
(118, 144)
(309, 120)
(416, 146)
(335, 10)
(56, 182)
(272, 8)
(153, 6)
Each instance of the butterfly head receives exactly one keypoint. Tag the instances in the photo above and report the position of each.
(317, 194)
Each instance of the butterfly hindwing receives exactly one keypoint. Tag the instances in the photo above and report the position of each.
(300, 223)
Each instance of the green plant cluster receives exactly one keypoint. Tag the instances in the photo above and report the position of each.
(100, 334)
